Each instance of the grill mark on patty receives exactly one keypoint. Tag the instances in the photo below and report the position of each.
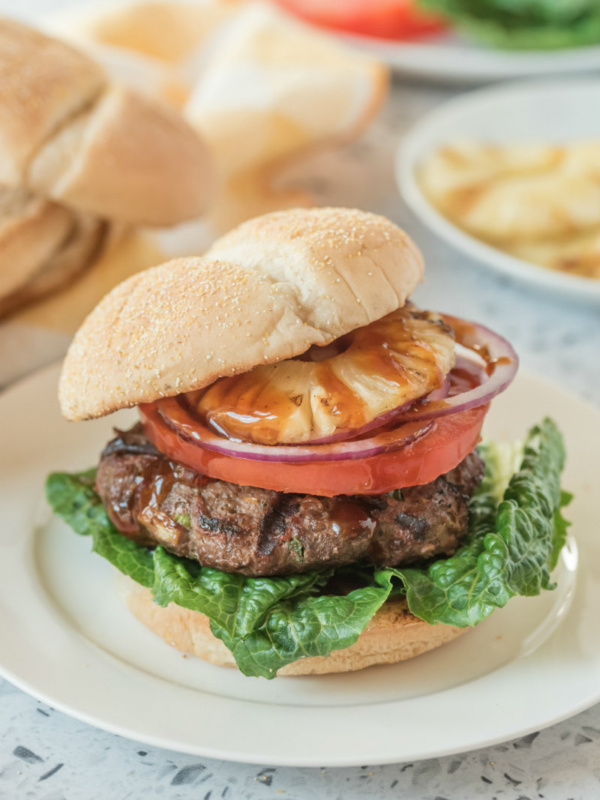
(250, 530)
(215, 525)
(416, 525)
(274, 526)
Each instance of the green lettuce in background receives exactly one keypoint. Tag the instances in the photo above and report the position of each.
(523, 24)
(516, 531)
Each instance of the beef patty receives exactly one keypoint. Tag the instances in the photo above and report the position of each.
(261, 532)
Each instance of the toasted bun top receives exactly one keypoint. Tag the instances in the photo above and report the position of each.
(265, 292)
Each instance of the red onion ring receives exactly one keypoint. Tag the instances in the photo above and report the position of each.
(174, 414)
(499, 364)
(477, 346)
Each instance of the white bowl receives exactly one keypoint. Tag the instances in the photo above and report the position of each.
(536, 111)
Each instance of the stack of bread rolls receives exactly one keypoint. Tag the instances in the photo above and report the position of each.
(79, 155)
(158, 112)
(260, 87)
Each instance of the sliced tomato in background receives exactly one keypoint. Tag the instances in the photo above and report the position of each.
(437, 452)
(385, 19)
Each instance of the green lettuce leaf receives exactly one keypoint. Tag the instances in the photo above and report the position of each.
(561, 529)
(510, 550)
(73, 498)
(523, 24)
(307, 626)
(515, 534)
(266, 622)
(235, 604)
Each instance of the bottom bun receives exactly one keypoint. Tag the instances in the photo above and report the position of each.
(393, 634)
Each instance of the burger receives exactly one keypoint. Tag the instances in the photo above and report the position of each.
(306, 490)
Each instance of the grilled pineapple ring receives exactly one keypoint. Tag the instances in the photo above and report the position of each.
(337, 388)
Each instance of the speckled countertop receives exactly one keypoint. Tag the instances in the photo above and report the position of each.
(44, 754)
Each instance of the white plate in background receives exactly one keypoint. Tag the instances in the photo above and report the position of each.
(446, 57)
(65, 638)
(536, 111)
(451, 58)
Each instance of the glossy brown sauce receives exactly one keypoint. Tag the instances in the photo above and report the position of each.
(351, 519)
(251, 407)
(348, 409)
(464, 331)
(235, 406)
(152, 487)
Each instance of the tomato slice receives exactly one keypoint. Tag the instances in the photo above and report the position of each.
(449, 441)
(385, 19)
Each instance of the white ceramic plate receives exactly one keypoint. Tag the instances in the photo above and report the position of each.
(65, 638)
(450, 58)
(536, 111)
